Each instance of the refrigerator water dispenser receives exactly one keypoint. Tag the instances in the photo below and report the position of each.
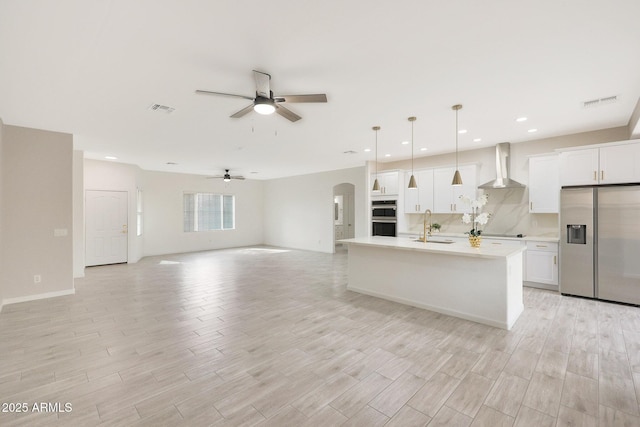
(577, 234)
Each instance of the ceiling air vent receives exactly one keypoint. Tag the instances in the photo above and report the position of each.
(350, 152)
(600, 101)
(162, 108)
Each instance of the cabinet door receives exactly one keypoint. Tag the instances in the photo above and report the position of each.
(468, 188)
(579, 167)
(446, 197)
(425, 190)
(541, 259)
(390, 180)
(443, 190)
(544, 184)
(620, 164)
(411, 196)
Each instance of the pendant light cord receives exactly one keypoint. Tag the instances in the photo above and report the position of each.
(457, 138)
(412, 144)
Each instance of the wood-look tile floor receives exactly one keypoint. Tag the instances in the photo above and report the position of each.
(271, 337)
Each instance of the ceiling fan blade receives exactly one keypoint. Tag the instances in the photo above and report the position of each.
(317, 97)
(214, 177)
(262, 84)
(245, 110)
(237, 177)
(208, 92)
(287, 114)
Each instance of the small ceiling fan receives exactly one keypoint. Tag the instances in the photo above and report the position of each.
(226, 177)
(265, 102)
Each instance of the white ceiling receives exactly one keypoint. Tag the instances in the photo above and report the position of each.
(93, 68)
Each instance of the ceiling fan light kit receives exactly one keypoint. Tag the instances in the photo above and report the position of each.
(264, 106)
(265, 102)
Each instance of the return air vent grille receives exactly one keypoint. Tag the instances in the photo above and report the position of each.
(600, 101)
(162, 108)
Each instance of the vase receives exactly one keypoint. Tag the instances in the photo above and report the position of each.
(475, 241)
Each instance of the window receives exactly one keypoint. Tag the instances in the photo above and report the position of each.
(207, 211)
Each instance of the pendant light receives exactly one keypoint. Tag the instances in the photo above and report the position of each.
(376, 184)
(412, 180)
(457, 179)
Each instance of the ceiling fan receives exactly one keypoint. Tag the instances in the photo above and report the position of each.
(226, 177)
(265, 102)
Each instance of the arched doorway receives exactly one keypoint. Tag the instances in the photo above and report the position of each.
(343, 213)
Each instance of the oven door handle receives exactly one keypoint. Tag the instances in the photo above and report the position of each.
(384, 220)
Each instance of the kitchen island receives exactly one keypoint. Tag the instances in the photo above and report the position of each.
(479, 284)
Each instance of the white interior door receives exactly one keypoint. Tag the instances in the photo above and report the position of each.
(106, 214)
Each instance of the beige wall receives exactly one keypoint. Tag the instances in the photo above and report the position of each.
(163, 213)
(509, 207)
(299, 209)
(2, 284)
(36, 200)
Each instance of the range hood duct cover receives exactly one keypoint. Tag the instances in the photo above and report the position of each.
(503, 180)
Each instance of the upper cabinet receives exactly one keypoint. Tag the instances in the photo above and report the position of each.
(388, 183)
(544, 184)
(446, 198)
(610, 164)
(417, 200)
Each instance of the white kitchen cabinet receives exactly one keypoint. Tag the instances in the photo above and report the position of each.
(388, 183)
(417, 200)
(541, 260)
(620, 164)
(544, 184)
(611, 164)
(446, 198)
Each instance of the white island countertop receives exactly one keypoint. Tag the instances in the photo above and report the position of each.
(456, 248)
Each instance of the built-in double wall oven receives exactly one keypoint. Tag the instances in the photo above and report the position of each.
(383, 218)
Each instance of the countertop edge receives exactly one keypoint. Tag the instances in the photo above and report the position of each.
(454, 249)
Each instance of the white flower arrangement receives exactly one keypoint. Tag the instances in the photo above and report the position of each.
(475, 218)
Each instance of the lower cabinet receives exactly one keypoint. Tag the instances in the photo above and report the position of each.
(541, 260)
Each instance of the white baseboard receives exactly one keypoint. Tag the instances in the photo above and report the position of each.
(8, 301)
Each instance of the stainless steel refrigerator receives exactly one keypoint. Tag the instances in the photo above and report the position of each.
(600, 242)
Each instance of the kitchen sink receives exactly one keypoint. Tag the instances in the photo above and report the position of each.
(446, 242)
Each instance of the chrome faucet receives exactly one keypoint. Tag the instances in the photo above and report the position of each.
(427, 212)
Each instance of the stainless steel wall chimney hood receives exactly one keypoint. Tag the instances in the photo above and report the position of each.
(503, 180)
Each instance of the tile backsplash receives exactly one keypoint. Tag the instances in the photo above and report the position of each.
(509, 209)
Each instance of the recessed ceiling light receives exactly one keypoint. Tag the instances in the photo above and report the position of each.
(405, 142)
(462, 131)
(424, 149)
(532, 130)
(366, 150)
(521, 119)
(387, 155)
(110, 158)
(477, 139)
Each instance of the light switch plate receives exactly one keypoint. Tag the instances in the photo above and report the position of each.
(60, 232)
